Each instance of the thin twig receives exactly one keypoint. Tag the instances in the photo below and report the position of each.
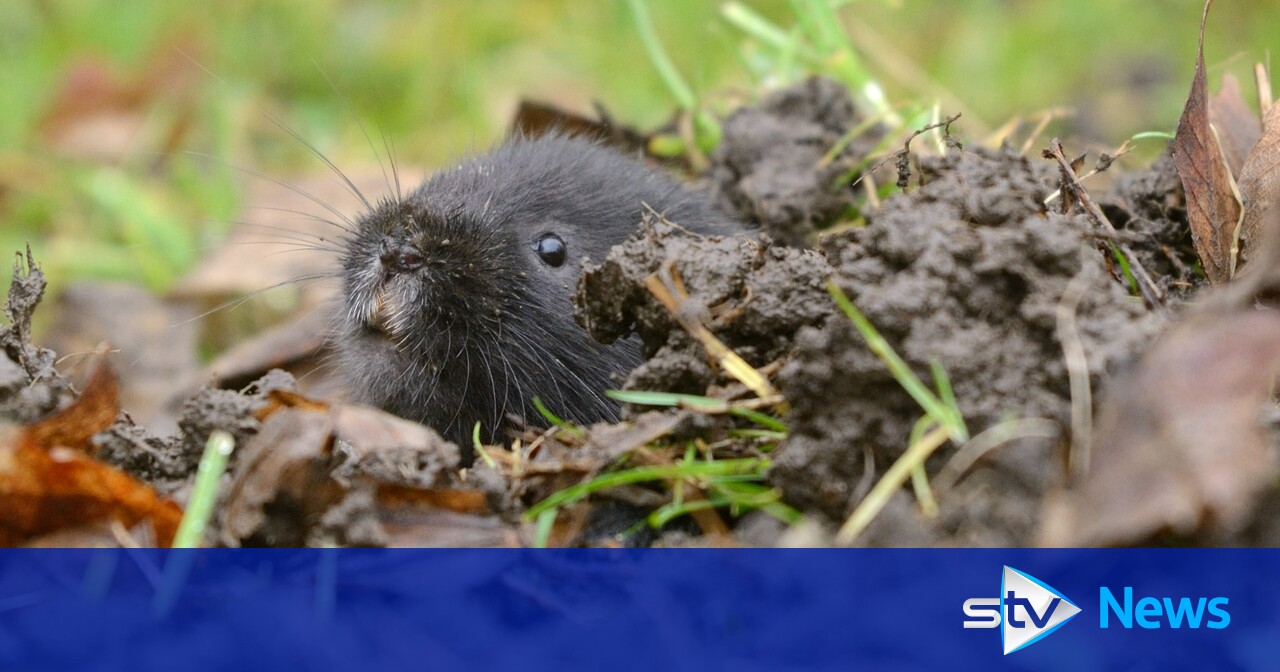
(1104, 162)
(1150, 293)
(903, 156)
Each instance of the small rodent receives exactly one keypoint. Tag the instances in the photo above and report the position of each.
(456, 297)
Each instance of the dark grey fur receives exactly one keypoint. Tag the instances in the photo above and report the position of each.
(482, 325)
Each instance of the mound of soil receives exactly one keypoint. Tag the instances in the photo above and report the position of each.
(775, 165)
(968, 273)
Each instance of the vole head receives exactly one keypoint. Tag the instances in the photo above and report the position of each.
(457, 297)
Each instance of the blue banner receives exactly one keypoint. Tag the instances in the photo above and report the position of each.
(640, 609)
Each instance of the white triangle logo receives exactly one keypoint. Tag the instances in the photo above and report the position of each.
(1030, 609)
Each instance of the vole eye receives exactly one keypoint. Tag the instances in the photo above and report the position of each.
(551, 249)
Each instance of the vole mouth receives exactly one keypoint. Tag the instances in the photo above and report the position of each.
(378, 319)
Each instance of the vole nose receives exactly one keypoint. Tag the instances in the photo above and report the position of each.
(398, 256)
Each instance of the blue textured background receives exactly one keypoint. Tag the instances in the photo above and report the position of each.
(606, 610)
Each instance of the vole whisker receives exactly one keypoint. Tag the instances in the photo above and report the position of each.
(287, 129)
(391, 158)
(310, 216)
(350, 110)
(237, 302)
(281, 183)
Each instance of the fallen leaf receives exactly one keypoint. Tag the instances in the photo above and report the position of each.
(281, 484)
(1181, 443)
(1212, 207)
(49, 484)
(607, 443)
(155, 342)
(279, 347)
(98, 534)
(1260, 183)
(97, 113)
(458, 501)
(393, 450)
(281, 399)
(294, 480)
(416, 527)
(42, 492)
(1236, 125)
(93, 411)
(533, 119)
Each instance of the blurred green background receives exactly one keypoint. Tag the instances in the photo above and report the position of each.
(122, 119)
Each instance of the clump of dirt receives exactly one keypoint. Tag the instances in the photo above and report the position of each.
(30, 386)
(1150, 209)
(753, 294)
(170, 462)
(968, 270)
(780, 163)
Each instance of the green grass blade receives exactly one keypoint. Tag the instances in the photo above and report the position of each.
(897, 367)
(542, 531)
(750, 468)
(647, 398)
(555, 420)
(948, 397)
(754, 25)
(763, 419)
(658, 56)
(204, 494)
(479, 447)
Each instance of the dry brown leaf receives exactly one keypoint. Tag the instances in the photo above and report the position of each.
(1236, 124)
(281, 484)
(155, 342)
(1181, 444)
(49, 484)
(416, 527)
(533, 119)
(45, 491)
(310, 456)
(283, 233)
(458, 501)
(1212, 208)
(98, 534)
(389, 449)
(96, 113)
(280, 399)
(93, 411)
(279, 347)
(1260, 183)
(608, 443)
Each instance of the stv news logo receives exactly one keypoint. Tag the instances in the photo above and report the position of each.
(1027, 610)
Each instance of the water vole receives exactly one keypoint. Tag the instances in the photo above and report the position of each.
(456, 297)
